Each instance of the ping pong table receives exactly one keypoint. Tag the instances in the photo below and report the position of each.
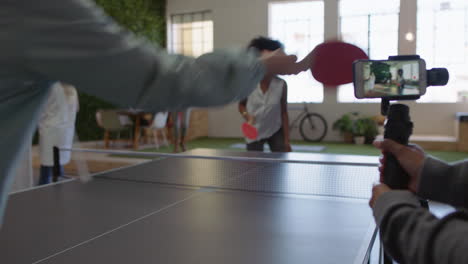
(200, 210)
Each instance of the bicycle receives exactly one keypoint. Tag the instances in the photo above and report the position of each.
(312, 126)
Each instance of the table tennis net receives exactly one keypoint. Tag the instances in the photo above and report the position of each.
(268, 175)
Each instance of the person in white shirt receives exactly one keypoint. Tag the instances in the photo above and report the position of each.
(400, 81)
(266, 107)
(57, 128)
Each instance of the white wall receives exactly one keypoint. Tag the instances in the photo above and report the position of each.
(236, 22)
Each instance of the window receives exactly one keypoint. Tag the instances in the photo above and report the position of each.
(372, 26)
(442, 41)
(191, 33)
(300, 27)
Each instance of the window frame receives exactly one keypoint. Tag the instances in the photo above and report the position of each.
(305, 75)
(171, 27)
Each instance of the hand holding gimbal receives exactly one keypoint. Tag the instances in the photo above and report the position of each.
(399, 127)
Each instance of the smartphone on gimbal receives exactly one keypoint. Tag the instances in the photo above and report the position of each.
(402, 77)
(389, 78)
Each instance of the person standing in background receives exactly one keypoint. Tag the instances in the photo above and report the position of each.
(267, 107)
(181, 122)
(400, 81)
(57, 128)
(409, 232)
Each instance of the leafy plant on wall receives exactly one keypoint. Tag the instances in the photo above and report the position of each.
(145, 18)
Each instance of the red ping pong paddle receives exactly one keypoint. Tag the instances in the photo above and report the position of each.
(249, 131)
(332, 62)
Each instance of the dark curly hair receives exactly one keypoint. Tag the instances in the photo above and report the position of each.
(264, 43)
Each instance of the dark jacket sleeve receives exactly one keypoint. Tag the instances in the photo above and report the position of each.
(444, 182)
(412, 235)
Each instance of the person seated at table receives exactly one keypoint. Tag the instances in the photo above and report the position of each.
(266, 107)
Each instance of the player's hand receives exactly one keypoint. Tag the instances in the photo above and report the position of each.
(278, 63)
(307, 62)
(250, 119)
(377, 191)
(411, 159)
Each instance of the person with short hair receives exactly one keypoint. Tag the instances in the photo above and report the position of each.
(266, 108)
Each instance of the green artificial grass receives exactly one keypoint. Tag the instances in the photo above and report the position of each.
(332, 148)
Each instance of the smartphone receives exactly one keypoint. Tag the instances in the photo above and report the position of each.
(389, 78)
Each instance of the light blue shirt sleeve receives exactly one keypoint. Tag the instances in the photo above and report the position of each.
(75, 42)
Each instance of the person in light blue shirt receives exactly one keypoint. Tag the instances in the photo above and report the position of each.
(75, 42)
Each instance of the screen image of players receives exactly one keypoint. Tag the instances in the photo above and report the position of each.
(391, 78)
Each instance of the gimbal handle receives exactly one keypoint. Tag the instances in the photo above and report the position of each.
(398, 128)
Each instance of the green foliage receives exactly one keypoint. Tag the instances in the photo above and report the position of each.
(345, 124)
(367, 127)
(145, 18)
(357, 126)
(381, 72)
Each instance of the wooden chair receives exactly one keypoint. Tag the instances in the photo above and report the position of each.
(110, 121)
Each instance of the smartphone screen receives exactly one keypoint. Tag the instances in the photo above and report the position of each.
(375, 79)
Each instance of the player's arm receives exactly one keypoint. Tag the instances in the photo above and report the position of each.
(75, 42)
(444, 182)
(411, 234)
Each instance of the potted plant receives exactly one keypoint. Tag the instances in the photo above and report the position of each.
(359, 130)
(345, 125)
(366, 127)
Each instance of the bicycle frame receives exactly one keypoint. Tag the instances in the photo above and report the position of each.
(304, 112)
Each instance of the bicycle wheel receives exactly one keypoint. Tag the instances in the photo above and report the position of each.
(313, 127)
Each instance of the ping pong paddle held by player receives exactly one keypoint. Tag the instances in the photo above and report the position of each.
(248, 128)
(249, 131)
(331, 62)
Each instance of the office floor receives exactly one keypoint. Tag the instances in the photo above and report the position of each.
(330, 147)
